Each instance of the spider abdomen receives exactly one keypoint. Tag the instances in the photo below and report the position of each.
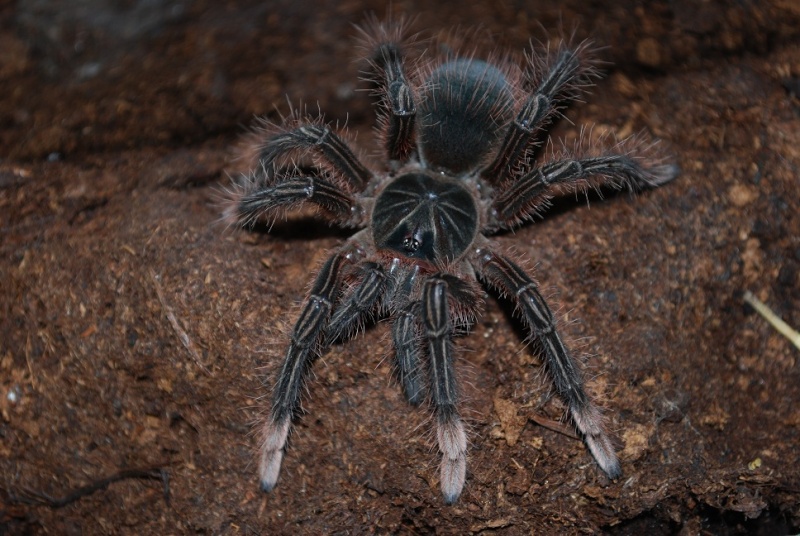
(464, 106)
(425, 217)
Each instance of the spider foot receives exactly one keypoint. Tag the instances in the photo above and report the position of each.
(453, 445)
(273, 443)
(590, 423)
(603, 452)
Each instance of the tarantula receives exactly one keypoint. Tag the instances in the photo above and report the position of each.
(463, 139)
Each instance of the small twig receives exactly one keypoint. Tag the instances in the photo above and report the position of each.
(782, 327)
(179, 331)
(555, 426)
(33, 497)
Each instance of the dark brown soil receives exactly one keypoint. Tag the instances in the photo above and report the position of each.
(136, 331)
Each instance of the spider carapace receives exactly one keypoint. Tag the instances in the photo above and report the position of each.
(425, 217)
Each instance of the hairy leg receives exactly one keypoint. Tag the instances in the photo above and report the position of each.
(251, 202)
(406, 337)
(360, 302)
(503, 274)
(396, 108)
(303, 348)
(565, 72)
(450, 432)
(326, 145)
(532, 191)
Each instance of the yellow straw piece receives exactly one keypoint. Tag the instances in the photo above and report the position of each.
(782, 327)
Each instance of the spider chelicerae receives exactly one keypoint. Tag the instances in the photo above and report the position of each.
(465, 142)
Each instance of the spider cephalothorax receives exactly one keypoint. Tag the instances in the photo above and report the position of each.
(462, 139)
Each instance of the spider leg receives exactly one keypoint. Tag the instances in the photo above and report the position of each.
(450, 432)
(510, 279)
(251, 204)
(325, 144)
(532, 191)
(534, 114)
(398, 100)
(303, 349)
(360, 302)
(406, 338)
(386, 43)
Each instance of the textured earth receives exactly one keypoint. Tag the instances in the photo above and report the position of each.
(137, 330)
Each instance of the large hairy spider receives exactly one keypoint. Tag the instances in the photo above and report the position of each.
(463, 139)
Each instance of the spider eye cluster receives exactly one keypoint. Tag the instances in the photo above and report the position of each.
(465, 104)
(424, 217)
(411, 244)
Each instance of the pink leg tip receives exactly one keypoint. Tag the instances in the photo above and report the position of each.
(272, 444)
(453, 474)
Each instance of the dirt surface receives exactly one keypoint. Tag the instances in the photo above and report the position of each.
(136, 331)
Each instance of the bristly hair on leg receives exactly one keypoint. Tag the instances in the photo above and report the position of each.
(392, 82)
(302, 160)
(380, 41)
(302, 140)
(273, 442)
(250, 149)
(562, 70)
(634, 163)
(637, 162)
